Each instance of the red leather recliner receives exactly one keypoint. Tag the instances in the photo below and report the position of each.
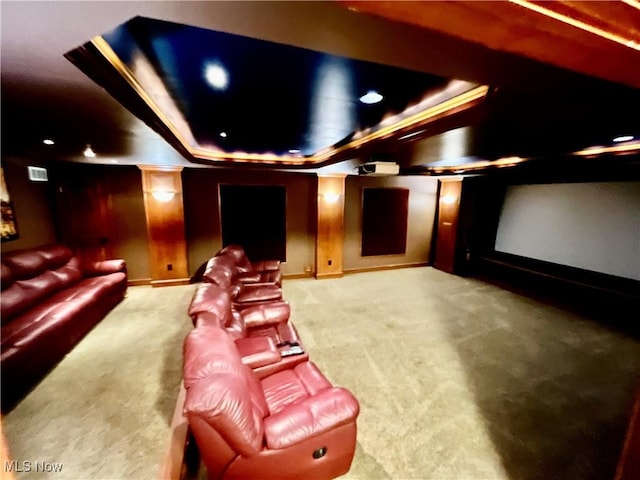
(264, 271)
(290, 425)
(224, 274)
(264, 334)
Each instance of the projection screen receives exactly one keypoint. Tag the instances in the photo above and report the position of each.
(593, 226)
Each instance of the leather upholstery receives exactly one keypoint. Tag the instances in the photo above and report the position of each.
(221, 271)
(270, 428)
(49, 302)
(211, 306)
(263, 271)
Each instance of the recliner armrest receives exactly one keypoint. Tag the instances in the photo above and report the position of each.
(249, 277)
(104, 267)
(265, 265)
(266, 314)
(257, 293)
(257, 351)
(310, 417)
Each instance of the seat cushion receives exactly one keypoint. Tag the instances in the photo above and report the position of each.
(287, 387)
(258, 351)
(258, 293)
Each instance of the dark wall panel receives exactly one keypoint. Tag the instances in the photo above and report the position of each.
(384, 221)
(255, 216)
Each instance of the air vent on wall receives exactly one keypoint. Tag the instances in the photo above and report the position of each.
(37, 174)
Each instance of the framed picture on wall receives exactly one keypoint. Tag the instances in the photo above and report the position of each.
(9, 225)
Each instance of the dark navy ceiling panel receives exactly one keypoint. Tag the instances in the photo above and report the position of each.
(277, 98)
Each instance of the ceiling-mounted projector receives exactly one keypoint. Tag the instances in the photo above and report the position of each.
(379, 168)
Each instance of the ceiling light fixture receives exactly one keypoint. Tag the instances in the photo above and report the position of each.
(371, 97)
(223, 134)
(88, 152)
(48, 141)
(623, 138)
(294, 151)
(216, 76)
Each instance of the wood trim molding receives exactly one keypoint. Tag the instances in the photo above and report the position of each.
(294, 276)
(386, 267)
(330, 231)
(139, 282)
(164, 211)
(170, 282)
(173, 457)
(321, 276)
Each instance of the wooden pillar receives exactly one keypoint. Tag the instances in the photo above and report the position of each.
(330, 235)
(447, 250)
(162, 187)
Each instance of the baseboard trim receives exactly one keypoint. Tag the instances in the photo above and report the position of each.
(170, 282)
(386, 267)
(138, 282)
(294, 276)
(321, 276)
(173, 458)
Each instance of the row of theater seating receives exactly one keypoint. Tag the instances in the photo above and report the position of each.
(256, 406)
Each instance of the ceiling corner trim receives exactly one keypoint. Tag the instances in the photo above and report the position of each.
(457, 97)
(103, 47)
(627, 42)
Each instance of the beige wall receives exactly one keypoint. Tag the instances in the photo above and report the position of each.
(422, 206)
(202, 218)
(32, 206)
(202, 213)
(129, 238)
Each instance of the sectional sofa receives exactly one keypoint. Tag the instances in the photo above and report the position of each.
(49, 302)
(256, 405)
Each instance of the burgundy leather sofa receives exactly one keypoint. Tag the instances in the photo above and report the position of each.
(222, 272)
(49, 302)
(292, 424)
(263, 271)
(265, 337)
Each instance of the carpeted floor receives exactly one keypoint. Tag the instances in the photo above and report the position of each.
(104, 411)
(457, 379)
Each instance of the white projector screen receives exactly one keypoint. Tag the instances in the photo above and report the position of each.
(593, 226)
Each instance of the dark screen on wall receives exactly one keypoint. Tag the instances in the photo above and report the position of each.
(254, 216)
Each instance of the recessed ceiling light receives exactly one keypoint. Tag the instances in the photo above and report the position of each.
(48, 141)
(371, 97)
(223, 134)
(294, 151)
(88, 152)
(216, 76)
(623, 138)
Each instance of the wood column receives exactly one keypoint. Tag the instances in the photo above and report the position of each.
(447, 228)
(162, 187)
(330, 235)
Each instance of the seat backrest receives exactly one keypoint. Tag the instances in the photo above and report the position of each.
(211, 305)
(222, 272)
(30, 275)
(222, 391)
(239, 256)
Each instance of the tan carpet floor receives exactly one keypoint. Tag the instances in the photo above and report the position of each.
(457, 379)
(104, 411)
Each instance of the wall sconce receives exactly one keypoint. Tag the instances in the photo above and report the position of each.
(163, 186)
(163, 195)
(449, 199)
(331, 197)
(88, 152)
